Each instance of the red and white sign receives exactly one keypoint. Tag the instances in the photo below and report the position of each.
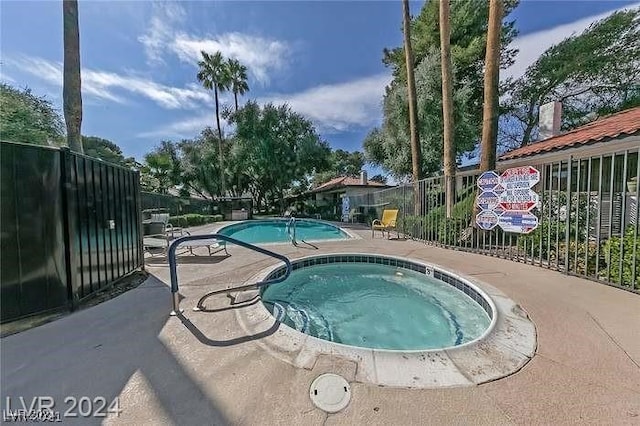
(518, 199)
(519, 178)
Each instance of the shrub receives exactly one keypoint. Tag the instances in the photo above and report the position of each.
(193, 219)
(580, 267)
(612, 256)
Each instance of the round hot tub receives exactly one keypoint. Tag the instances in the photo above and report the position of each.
(392, 321)
(378, 302)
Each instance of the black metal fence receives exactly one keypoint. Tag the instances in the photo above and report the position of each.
(70, 227)
(587, 218)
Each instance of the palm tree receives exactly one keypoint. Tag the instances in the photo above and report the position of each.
(416, 155)
(238, 76)
(447, 107)
(71, 87)
(214, 74)
(491, 82)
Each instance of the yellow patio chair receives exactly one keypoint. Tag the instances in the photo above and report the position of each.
(387, 223)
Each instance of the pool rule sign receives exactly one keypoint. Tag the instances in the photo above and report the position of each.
(506, 200)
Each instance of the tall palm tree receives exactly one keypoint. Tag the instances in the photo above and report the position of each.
(447, 107)
(416, 154)
(214, 75)
(238, 77)
(491, 82)
(71, 86)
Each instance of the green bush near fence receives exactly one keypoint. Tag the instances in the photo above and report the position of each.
(435, 226)
(613, 256)
(193, 219)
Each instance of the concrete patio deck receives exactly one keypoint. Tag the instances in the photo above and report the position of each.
(203, 369)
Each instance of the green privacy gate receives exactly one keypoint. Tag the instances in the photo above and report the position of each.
(70, 227)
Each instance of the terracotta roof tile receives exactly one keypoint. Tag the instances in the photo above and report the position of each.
(622, 123)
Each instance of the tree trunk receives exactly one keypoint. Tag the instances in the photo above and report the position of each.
(491, 82)
(235, 96)
(531, 122)
(447, 108)
(416, 155)
(220, 160)
(71, 89)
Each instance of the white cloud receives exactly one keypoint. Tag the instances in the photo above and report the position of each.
(338, 107)
(161, 30)
(4, 78)
(181, 129)
(260, 55)
(107, 85)
(332, 108)
(531, 46)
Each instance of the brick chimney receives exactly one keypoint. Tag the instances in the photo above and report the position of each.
(363, 178)
(549, 120)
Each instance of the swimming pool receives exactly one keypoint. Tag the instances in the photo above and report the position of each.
(378, 302)
(275, 231)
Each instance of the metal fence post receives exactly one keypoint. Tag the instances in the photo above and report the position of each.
(567, 218)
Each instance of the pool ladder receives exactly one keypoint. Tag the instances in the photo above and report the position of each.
(291, 230)
(171, 254)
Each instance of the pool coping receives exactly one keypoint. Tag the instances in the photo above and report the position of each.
(350, 235)
(503, 349)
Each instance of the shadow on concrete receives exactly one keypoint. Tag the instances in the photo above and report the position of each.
(106, 350)
(188, 260)
(244, 304)
(230, 342)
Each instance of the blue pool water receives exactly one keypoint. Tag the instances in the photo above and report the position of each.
(275, 231)
(375, 306)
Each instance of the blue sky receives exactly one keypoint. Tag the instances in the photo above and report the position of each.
(323, 58)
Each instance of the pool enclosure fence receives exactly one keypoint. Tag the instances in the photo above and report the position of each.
(70, 228)
(587, 215)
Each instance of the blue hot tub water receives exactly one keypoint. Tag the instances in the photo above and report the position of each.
(375, 306)
(275, 231)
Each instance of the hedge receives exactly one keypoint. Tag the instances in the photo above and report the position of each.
(193, 219)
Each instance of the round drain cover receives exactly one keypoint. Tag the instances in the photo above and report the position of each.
(330, 392)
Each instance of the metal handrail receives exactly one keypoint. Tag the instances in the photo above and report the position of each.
(171, 254)
(292, 225)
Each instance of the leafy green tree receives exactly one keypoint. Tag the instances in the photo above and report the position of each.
(71, 90)
(106, 150)
(161, 170)
(278, 148)
(213, 73)
(341, 163)
(238, 79)
(199, 165)
(594, 73)
(469, 22)
(388, 145)
(28, 118)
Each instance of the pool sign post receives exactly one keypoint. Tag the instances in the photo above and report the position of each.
(506, 200)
